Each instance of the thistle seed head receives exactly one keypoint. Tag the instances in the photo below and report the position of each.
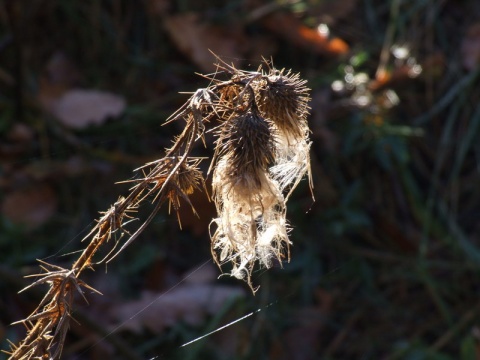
(262, 150)
(251, 223)
(292, 162)
(246, 143)
(283, 98)
(189, 177)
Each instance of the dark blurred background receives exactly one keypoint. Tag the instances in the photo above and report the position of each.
(385, 261)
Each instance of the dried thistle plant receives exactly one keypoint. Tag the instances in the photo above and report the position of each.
(261, 154)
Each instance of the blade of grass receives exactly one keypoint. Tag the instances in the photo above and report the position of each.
(444, 147)
(471, 134)
(448, 98)
(471, 251)
(433, 292)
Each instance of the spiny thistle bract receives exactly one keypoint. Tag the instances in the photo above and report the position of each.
(261, 154)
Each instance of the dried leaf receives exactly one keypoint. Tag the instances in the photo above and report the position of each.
(30, 207)
(191, 303)
(195, 38)
(79, 108)
(288, 26)
(470, 48)
(75, 108)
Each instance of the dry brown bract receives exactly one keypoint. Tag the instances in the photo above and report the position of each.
(261, 154)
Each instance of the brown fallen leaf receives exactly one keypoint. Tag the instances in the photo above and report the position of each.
(392, 78)
(30, 207)
(189, 302)
(73, 107)
(289, 27)
(79, 108)
(470, 48)
(195, 39)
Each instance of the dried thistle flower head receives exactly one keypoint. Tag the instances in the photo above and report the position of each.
(251, 222)
(262, 151)
(283, 98)
(246, 141)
